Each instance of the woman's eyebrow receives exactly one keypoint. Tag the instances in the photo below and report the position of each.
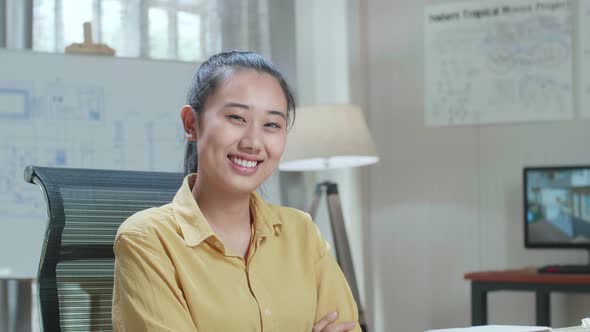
(279, 113)
(238, 105)
(246, 107)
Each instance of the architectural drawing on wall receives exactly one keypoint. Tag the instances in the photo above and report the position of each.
(23, 202)
(61, 123)
(15, 100)
(543, 94)
(495, 62)
(74, 111)
(119, 146)
(53, 156)
(161, 133)
(584, 57)
(92, 100)
(68, 101)
(532, 43)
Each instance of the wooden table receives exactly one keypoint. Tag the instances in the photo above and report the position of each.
(522, 280)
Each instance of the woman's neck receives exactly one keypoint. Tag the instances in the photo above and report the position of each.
(222, 211)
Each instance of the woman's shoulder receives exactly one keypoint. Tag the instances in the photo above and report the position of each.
(289, 212)
(293, 218)
(148, 222)
(298, 225)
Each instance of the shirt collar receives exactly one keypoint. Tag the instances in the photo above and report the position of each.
(266, 220)
(195, 229)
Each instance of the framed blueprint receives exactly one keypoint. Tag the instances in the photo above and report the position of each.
(498, 62)
(79, 111)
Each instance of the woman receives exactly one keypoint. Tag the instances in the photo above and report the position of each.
(219, 258)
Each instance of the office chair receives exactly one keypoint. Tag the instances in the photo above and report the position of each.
(85, 208)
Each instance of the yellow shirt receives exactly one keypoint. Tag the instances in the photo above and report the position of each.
(173, 274)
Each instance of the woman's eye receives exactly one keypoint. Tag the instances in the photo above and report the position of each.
(236, 117)
(273, 125)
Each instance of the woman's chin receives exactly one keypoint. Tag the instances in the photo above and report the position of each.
(242, 185)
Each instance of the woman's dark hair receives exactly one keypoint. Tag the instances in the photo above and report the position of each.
(214, 71)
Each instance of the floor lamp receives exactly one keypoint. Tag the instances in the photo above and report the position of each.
(329, 137)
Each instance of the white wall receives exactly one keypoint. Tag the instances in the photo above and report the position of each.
(445, 201)
(323, 77)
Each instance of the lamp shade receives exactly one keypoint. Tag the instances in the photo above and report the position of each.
(326, 137)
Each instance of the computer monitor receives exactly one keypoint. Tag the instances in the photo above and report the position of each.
(557, 207)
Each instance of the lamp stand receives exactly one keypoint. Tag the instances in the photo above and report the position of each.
(341, 245)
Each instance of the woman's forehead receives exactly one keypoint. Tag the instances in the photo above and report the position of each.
(252, 88)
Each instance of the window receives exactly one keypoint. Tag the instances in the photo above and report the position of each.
(113, 32)
(189, 33)
(187, 30)
(159, 40)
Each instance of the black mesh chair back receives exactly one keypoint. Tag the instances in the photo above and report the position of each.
(85, 209)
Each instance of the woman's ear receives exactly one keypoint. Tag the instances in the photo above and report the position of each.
(189, 121)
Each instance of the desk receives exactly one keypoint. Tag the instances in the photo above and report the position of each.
(522, 280)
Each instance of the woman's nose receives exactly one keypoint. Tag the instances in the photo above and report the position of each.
(251, 140)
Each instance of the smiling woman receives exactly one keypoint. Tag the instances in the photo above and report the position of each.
(218, 257)
(245, 120)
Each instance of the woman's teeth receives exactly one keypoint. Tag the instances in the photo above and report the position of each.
(244, 163)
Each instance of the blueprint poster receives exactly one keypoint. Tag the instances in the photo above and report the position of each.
(498, 62)
(60, 123)
(66, 111)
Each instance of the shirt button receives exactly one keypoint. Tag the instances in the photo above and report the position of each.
(267, 312)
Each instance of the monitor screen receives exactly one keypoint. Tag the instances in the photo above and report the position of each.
(557, 206)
